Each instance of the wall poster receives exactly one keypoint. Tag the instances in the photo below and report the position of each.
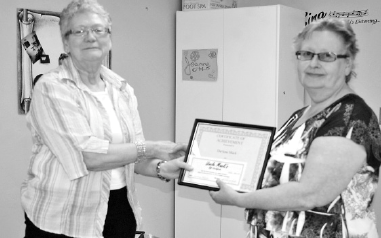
(200, 65)
(39, 50)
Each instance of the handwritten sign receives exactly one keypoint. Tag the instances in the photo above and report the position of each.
(200, 65)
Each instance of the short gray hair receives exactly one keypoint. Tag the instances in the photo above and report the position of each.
(341, 27)
(77, 6)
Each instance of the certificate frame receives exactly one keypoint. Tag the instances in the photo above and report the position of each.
(236, 153)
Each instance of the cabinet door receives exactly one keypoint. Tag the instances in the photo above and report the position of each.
(290, 93)
(250, 43)
(196, 215)
(250, 60)
(198, 30)
(260, 84)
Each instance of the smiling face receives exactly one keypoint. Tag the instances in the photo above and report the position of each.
(88, 48)
(323, 80)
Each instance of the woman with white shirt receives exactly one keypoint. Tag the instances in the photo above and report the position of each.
(88, 140)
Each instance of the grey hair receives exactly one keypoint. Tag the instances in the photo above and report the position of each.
(338, 26)
(78, 6)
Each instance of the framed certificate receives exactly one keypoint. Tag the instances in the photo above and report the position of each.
(233, 152)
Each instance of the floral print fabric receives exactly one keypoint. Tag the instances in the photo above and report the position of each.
(350, 214)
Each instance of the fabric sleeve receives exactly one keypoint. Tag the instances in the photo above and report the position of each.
(357, 117)
(136, 119)
(63, 127)
(132, 102)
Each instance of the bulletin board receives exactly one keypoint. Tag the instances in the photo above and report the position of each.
(39, 50)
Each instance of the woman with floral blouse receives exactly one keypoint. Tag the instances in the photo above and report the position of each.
(322, 175)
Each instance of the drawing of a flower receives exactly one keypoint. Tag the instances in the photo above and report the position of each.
(194, 56)
(212, 54)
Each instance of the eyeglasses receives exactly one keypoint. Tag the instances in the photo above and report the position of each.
(324, 56)
(98, 31)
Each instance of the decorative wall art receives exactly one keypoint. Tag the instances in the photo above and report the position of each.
(200, 65)
(39, 50)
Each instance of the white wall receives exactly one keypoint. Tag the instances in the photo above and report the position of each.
(143, 53)
(367, 83)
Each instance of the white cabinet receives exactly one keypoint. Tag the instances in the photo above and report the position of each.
(257, 84)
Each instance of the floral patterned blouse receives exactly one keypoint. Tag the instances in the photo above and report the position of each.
(350, 214)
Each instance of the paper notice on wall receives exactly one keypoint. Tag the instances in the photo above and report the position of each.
(200, 65)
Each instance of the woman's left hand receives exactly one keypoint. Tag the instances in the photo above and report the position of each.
(178, 151)
(225, 196)
(171, 169)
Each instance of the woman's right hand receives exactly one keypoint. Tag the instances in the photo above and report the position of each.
(225, 196)
(171, 169)
(165, 150)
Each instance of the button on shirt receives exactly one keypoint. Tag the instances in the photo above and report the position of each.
(60, 195)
